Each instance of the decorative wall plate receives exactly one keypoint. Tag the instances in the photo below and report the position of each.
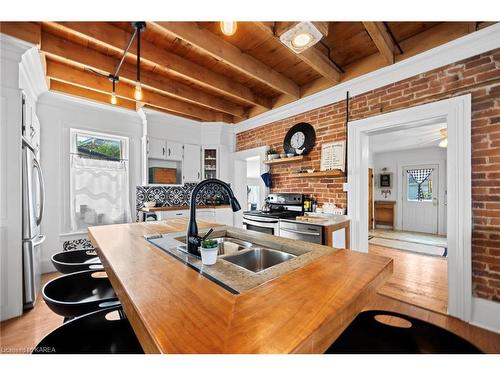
(299, 139)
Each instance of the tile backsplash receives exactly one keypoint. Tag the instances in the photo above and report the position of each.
(178, 195)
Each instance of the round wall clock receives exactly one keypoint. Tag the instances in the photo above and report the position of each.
(300, 139)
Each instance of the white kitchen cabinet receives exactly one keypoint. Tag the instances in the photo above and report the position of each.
(191, 166)
(174, 151)
(175, 214)
(210, 162)
(206, 214)
(156, 148)
(224, 216)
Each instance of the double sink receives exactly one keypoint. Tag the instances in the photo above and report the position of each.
(247, 255)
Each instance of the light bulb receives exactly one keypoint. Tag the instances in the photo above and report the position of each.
(138, 91)
(228, 27)
(443, 143)
(301, 40)
(113, 98)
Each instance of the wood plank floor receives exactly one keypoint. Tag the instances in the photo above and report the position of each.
(20, 335)
(417, 279)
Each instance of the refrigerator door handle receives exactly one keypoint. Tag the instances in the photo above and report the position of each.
(42, 191)
(39, 240)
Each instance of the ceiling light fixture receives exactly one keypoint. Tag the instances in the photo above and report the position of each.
(301, 36)
(228, 27)
(443, 134)
(139, 27)
(113, 80)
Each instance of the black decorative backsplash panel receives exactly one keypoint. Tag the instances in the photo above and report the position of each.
(78, 244)
(166, 196)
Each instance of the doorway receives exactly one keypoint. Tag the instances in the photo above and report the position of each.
(456, 113)
(248, 186)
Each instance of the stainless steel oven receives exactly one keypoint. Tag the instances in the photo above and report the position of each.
(301, 231)
(269, 225)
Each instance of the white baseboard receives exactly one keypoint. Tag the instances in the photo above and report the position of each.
(486, 314)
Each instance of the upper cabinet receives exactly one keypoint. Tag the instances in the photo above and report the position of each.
(165, 150)
(174, 151)
(210, 162)
(191, 168)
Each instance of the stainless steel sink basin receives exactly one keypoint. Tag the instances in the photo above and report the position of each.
(227, 245)
(259, 259)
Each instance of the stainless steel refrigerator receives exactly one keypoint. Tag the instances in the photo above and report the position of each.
(33, 203)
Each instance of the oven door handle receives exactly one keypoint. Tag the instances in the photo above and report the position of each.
(261, 221)
(300, 232)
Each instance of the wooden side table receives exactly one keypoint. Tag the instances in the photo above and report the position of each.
(384, 213)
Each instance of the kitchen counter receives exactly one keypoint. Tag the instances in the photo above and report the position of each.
(175, 309)
(176, 208)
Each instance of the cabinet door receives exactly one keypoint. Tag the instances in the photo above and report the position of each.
(191, 169)
(173, 151)
(156, 148)
(210, 162)
(206, 214)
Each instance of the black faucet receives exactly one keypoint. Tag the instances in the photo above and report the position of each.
(193, 241)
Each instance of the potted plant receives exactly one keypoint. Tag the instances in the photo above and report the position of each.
(272, 154)
(209, 250)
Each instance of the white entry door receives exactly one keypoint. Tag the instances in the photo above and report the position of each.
(420, 198)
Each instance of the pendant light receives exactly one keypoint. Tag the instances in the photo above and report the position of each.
(113, 80)
(140, 26)
(228, 27)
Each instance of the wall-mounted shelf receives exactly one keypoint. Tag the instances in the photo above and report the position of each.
(285, 160)
(326, 174)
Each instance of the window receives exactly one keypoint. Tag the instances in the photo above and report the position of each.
(253, 197)
(99, 179)
(419, 185)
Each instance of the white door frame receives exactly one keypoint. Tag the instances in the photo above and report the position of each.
(243, 155)
(456, 112)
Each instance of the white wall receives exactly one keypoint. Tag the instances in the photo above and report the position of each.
(57, 114)
(393, 161)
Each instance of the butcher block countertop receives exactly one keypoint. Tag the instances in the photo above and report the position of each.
(175, 309)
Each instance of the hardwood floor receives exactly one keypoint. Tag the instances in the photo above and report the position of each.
(419, 280)
(414, 237)
(20, 335)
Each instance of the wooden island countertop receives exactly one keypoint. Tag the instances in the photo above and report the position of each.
(174, 309)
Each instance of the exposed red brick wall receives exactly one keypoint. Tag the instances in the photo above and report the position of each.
(479, 76)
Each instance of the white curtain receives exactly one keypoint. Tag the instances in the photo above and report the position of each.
(99, 192)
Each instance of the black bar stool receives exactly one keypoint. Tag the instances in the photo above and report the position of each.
(100, 332)
(387, 332)
(76, 260)
(79, 293)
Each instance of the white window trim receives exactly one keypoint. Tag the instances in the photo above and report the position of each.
(457, 114)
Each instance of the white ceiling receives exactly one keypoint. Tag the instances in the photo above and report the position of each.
(411, 138)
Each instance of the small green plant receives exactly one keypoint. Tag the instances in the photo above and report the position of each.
(209, 244)
(271, 151)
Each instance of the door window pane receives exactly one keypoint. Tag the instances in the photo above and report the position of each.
(412, 189)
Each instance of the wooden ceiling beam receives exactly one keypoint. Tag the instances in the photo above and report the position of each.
(231, 55)
(311, 56)
(382, 39)
(69, 89)
(79, 77)
(27, 31)
(117, 39)
(74, 53)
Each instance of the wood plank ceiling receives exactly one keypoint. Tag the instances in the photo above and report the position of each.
(192, 70)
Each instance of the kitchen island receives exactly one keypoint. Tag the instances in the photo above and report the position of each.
(175, 309)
